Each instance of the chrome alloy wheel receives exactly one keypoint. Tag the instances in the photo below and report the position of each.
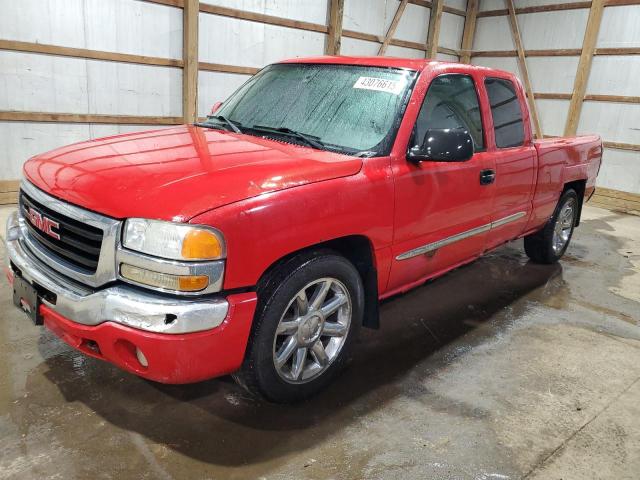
(312, 330)
(563, 226)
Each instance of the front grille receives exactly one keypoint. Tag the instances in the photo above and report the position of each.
(79, 244)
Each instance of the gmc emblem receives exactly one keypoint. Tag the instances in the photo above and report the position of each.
(43, 223)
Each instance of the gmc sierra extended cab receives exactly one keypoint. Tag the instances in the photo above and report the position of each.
(257, 242)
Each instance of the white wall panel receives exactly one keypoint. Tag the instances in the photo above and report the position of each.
(611, 75)
(314, 11)
(413, 25)
(459, 4)
(356, 47)
(499, 4)
(620, 27)
(553, 115)
(552, 74)
(493, 33)
(45, 83)
(127, 89)
(562, 29)
(21, 140)
(451, 30)
(614, 122)
(509, 64)
(369, 16)
(216, 87)
(125, 26)
(239, 42)
(620, 170)
(447, 58)
(393, 51)
(42, 83)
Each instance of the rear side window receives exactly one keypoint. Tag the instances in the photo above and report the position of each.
(506, 112)
(451, 102)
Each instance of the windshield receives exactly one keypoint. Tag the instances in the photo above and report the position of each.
(346, 108)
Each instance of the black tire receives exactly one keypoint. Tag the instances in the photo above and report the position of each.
(539, 246)
(259, 374)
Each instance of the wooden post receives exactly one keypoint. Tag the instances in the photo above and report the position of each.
(584, 66)
(392, 27)
(469, 30)
(433, 35)
(334, 35)
(190, 60)
(522, 63)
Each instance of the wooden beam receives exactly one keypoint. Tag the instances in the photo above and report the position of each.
(612, 98)
(536, 9)
(469, 30)
(16, 116)
(392, 28)
(219, 67)
(433, 35)
(262, 18)
(552, 96)
(522, 63)
(584, 66)
(618, 51)
(9, 191)
(45, 49)
(620, 3)
(334, 33)
(556, 52)
(622, 146)
(190, 60)
(616, 200)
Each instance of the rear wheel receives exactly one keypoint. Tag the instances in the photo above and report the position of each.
(307, 316)
(549, 244)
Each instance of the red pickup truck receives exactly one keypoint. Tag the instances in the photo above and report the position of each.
(257, 242)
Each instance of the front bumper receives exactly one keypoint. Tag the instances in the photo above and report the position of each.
(184, 340)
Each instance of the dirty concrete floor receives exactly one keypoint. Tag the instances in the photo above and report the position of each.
(502, 369)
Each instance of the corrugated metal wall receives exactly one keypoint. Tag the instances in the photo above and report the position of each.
(610, 75)
(35, 82)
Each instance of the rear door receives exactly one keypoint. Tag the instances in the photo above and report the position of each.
(515, 159)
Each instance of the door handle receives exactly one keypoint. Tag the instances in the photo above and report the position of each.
(487, 176)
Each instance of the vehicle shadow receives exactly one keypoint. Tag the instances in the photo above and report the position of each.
(218, 423)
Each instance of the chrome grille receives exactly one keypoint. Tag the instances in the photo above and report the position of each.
(78, 243)
(86, 248)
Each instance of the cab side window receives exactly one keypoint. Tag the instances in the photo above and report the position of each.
(451, 102)
(506, 112)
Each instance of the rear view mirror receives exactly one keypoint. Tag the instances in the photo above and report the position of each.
(443, 145)
(215, 108)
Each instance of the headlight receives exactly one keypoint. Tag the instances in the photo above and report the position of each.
(173, 240)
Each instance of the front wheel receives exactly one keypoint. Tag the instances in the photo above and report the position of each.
(304, 327)
(550, 243)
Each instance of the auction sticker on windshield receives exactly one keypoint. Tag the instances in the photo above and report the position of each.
(380, 85)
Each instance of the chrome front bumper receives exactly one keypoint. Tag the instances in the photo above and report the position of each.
(122, 304)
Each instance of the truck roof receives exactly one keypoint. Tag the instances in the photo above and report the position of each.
(392, 62)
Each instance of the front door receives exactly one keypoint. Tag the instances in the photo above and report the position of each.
(442, 209)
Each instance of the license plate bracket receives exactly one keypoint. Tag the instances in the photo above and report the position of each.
(25, 297)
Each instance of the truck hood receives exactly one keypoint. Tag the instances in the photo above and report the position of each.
(177, 173)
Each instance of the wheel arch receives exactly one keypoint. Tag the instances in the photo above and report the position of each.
(358, 249)
(579, 186)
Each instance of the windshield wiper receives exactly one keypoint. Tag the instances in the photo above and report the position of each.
(232, 125)
(310, 140)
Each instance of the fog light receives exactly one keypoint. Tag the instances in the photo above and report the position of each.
(182, 283)
(141, 358)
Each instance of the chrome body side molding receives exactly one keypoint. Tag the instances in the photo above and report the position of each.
(430, 247)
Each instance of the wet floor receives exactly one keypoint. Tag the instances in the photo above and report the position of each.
(502, 369)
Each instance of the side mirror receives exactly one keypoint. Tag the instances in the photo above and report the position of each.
(443, 145)
(215, 107)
